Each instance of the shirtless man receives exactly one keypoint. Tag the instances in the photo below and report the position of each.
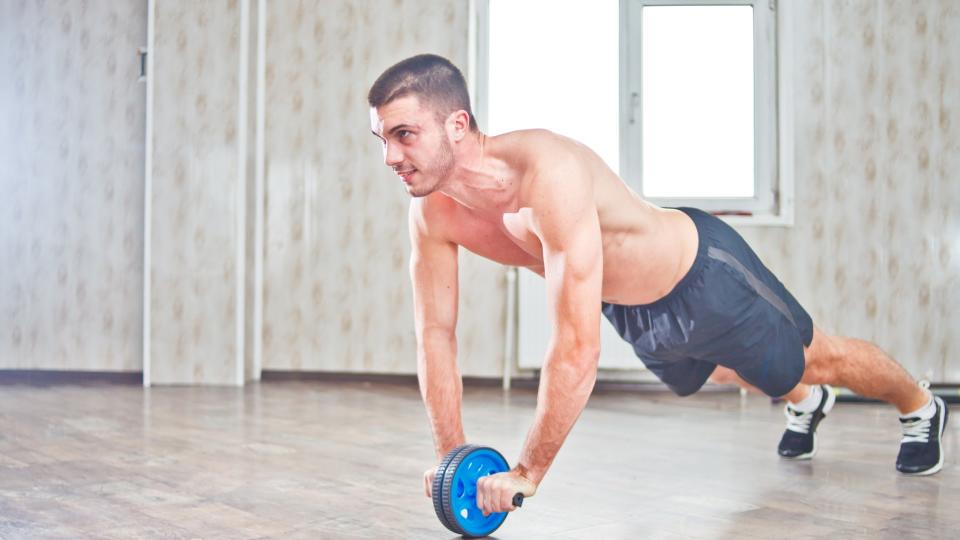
(679, 284)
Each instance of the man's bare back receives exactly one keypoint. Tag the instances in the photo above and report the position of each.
(646, 249)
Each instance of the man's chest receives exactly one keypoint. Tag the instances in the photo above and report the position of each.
(507, 240)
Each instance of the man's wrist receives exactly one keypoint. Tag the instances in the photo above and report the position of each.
(532, 475)
(442, 451)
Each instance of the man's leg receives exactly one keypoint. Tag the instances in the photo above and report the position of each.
(808, 405)
(855, 364)
(852, 363)
(863, 368)
(725, 375)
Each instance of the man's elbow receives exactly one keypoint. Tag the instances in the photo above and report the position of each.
(579, 347)
(591, 359)
(588, 353)
(581, 358)
(580, 368)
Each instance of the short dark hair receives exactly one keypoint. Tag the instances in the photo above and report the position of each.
(431, 78)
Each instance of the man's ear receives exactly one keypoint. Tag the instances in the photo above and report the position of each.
(458, 125)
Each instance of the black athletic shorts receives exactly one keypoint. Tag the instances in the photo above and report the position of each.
(728, 310)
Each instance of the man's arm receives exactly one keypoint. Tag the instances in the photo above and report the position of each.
(433, 270)
(564, 217)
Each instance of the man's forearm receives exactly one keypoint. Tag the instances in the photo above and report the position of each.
(442, 390)
(565, 386)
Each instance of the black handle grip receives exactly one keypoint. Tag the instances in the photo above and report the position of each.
(518, 500)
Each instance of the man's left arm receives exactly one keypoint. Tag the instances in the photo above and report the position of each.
(564, 217)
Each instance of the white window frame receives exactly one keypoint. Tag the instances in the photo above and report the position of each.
(774, 140)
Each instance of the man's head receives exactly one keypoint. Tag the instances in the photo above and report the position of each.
(420, 109)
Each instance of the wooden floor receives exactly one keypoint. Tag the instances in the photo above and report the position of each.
(344, 460)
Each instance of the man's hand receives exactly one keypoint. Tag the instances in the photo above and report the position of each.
(428, 481)
(495, 492)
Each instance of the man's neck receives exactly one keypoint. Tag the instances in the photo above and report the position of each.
(482, 180)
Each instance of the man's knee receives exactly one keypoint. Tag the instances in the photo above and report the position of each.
(821, 359)
(724, 375)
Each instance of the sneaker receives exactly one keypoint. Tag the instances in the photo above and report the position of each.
(921, 448)
(799, 440)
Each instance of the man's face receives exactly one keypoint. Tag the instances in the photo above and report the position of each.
(415, 144)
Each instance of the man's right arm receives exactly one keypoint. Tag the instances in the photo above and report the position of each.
(433, 270)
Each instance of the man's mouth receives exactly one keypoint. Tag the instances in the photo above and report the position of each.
(405, 175)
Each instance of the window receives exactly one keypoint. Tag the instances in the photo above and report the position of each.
(678, 97)
(532, 46)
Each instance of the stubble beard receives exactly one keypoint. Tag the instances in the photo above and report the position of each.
(439, 171)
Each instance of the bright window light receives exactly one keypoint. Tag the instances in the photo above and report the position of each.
(554, 64)
(698, 108)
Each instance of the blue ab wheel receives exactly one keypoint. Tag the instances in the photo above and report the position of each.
(455, 490)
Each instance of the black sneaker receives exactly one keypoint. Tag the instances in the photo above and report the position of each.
(799, 440)
(921, 449)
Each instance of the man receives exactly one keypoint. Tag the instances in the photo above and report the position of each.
(679, 284)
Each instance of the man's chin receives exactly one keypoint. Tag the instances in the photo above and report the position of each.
(420, 191)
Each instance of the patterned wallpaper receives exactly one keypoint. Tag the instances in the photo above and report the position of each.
(71, 184)
(194, 195)
(875, 252)
(337, 291)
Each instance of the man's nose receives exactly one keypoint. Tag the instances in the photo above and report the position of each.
(392, 155)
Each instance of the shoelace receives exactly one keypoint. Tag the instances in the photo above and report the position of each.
(915, 430)
(798, 421)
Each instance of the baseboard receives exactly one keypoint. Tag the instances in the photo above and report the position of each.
(403, 379)
(42, 377)
(49, 377)
(411, 380)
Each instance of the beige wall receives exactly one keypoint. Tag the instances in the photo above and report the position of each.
(194, 238)
(71, 184)
(875, 252)
(337, 292)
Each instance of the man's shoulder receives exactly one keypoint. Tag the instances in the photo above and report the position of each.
(542, 150)
(529, 141)
(556, 169)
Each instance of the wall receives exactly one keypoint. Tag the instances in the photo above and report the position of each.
(197, 236)
(71, 184)
(875, 249)
(337, 291)
(875, 252)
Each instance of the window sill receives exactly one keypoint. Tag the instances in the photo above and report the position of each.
(784, 219)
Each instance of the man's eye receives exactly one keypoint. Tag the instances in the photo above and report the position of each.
(403, 133)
